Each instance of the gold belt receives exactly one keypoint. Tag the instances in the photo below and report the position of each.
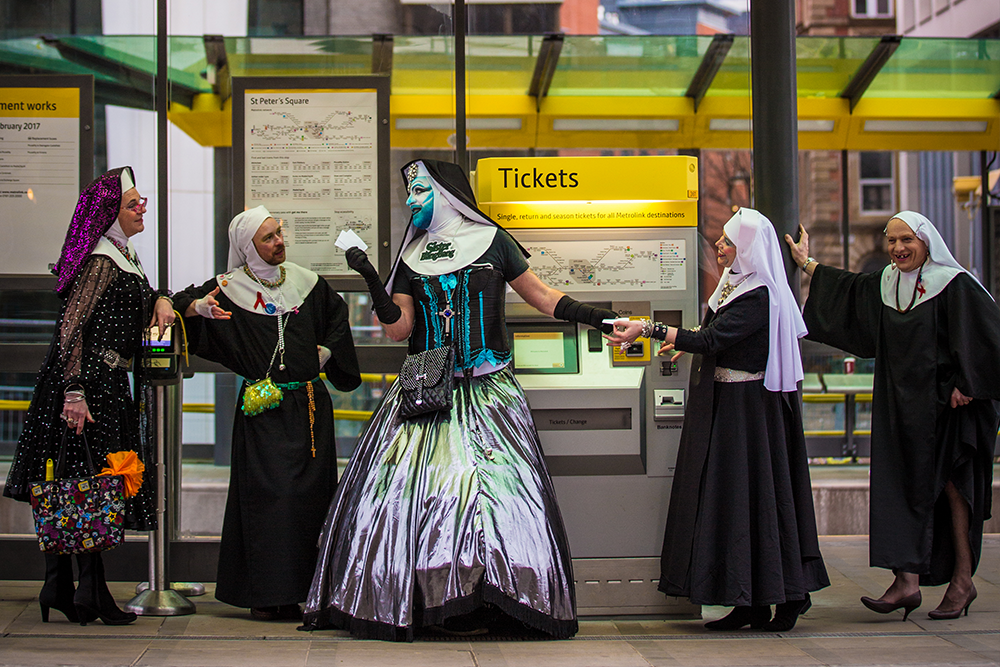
(732, 375)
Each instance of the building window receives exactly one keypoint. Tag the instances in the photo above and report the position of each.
(877, 183)
(872, 8)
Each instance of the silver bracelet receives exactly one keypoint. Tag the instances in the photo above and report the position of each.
(74, 397)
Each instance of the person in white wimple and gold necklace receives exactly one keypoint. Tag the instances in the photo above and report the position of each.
(741, 530)
(277, 325)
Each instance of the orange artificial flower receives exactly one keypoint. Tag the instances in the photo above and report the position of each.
(128, 465)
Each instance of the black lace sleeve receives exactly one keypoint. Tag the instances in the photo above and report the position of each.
(97, 274)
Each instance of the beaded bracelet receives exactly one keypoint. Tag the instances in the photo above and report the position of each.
(647, 328)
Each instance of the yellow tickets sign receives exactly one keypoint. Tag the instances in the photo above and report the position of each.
(612, 191)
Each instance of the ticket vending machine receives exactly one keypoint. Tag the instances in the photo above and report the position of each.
(619, 232)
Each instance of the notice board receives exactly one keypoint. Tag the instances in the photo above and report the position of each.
(315, 152)
(46, 158)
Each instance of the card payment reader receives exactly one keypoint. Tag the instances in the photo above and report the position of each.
(161, 355)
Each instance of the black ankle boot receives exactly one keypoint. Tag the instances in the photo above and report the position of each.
(93, 599)
(57, 591)
(756, 617)
(787, 613)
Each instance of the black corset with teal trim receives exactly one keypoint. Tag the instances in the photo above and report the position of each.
(475, 296)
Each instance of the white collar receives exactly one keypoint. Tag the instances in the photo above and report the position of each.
(934, 278)
(107, 248)
(253, 297)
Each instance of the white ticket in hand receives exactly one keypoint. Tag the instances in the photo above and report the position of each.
(612, 321)
(348, 239)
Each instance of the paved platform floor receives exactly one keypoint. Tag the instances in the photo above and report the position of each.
(836, 631)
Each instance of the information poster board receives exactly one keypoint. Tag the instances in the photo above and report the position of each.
(46, 157)
(314, 151)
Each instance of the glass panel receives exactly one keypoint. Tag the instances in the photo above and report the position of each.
(299, 56)
(630, 65)
(825, 65)
(733, 78)
(940, 68)
(123, 130)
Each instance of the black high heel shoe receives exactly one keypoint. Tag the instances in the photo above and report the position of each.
(756, 617)
(907, 604)
(787, 613)
(57, 591)
(938, 615)
(93, 599)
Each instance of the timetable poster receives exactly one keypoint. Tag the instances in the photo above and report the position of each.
(39, 174)
(311, 158)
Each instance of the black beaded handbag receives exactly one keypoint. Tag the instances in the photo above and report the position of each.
(426, 382)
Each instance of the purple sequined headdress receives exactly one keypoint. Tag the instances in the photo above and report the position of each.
(96, 210)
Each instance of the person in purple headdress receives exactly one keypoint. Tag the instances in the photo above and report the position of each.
(83, 386)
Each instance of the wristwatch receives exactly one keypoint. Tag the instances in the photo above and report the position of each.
(809, 260)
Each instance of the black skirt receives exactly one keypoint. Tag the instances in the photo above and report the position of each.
(741, 529)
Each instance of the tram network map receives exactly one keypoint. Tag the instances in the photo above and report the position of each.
(587, 266)
(311, 158)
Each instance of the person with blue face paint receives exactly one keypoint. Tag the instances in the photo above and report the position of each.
(449, 520)
(421, 202)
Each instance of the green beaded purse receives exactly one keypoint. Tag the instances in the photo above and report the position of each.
(264, 394)
(261, 396)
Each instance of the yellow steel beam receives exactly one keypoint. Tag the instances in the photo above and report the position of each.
(509, 120)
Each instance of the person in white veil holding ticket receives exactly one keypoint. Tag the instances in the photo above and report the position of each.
(277, 325)
(741, 531)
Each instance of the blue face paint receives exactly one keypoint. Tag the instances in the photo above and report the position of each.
(421, 202)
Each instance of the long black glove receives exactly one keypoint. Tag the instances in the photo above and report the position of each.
(573, 311)
(387, 311)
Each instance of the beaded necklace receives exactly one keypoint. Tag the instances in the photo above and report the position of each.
(916, 288)
(265, 283)
(280, 349)
(729, 287)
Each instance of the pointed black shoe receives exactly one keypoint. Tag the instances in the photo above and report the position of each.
(93, 599)
(787, 613)
(57, 591)
(756, 617)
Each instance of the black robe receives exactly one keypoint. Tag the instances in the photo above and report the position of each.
(741, 529)
(105, 309)
(919, 442)
(278, 491)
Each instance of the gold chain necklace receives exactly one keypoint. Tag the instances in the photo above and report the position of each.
(265, 283)
(729, 287)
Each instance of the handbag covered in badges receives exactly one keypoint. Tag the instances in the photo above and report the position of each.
(426, 382)
(74, 516)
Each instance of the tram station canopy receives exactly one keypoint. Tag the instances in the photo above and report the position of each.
(565, 92)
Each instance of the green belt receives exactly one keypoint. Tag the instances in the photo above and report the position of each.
(292, 386)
